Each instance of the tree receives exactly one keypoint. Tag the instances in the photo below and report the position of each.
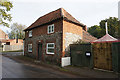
(99, 31)
(119, 29)
(17, 31)
(5, 7)
(95, 31)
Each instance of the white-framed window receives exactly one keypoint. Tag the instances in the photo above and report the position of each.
(29, 47)
(30, 33)
(50, 48)
(51, 29)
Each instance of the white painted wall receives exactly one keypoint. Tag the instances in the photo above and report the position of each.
(12, 47)
(65, 61)
(70, 38)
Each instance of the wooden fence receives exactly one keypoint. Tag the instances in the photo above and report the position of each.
(81, 55)
(116, 56)
(102, 53)
(97, 55)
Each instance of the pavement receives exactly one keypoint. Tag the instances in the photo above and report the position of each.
(75, 71)
(92, 73)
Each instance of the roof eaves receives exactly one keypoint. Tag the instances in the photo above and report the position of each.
(61, 18)
(80, 24)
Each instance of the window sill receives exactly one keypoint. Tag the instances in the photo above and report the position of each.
(30, 51)
(50, 33)
(30, 36)
(50, 53)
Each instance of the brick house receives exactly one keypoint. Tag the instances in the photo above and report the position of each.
(14, 42)
(48, 38)
(3, 37)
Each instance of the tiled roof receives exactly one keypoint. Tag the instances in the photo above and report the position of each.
(106, 38)
(87, 37)
(54, 15)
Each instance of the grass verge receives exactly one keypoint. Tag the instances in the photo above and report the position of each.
(13, 51)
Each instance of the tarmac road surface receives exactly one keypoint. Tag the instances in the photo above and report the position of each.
(13, 69)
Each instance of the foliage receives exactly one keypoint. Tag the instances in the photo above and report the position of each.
(5, 7)
(17, 30)
(96, 31)
(67, 50)
(99, 31)
(79, 42)
(119, 30)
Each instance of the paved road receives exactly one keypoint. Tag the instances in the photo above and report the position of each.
(13, 69)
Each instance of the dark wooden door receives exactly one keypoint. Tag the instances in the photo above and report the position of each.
(40, 51)
(102, 56)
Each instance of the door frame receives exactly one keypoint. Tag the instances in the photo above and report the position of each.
(40, 58)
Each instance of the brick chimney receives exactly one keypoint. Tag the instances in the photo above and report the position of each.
(85, 28)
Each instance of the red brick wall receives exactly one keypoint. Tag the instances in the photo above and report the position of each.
(70, 28)
(26, 34)
(60, 25)
(13, 42)
(3, 35)
(26, 47)
(47, 38)
(43, 29)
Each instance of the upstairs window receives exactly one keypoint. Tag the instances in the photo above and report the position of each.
(50, 48)
(30, 33)
(51, 29)
(29, 47)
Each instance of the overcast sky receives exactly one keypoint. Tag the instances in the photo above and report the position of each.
(88, 12)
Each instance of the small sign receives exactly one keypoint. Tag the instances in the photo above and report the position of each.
(79, 52)
(88, 54)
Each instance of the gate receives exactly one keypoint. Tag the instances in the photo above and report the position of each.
(116, 56)
(81, 55)
(102, 55)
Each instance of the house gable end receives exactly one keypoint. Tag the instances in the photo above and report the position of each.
(59, 14)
